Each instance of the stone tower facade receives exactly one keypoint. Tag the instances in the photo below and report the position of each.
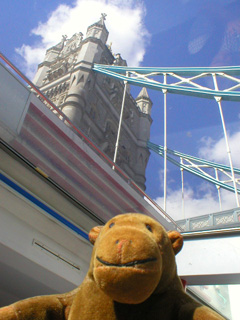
(92, 101)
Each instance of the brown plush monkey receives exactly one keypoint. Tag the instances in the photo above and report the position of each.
(132, 276)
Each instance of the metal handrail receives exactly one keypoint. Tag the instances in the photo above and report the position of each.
(225, 232)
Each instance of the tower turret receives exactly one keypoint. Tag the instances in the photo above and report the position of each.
(145, 105)
(144, 102)
(92, 48)
(98, 30)
(92, 101)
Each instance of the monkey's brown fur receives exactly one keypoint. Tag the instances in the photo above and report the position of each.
(132, 276)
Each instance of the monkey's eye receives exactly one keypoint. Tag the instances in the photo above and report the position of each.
(149, 227)
(111, 225)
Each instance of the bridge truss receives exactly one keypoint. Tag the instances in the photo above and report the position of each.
(217, 83)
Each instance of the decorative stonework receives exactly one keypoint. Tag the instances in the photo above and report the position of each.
(93, 101)
(72, 44)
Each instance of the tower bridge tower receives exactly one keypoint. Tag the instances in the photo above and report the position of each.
(93, 101)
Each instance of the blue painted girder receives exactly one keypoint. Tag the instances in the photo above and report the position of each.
(160, 150)
(121, 73)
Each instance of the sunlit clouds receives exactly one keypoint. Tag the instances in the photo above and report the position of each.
(129, 36)
(194, 205)
(203, 198)
(216, 150)
(127, 33)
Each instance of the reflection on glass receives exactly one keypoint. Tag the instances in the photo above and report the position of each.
(223, 298)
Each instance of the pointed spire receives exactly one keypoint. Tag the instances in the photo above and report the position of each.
(143, 94)
(98, 29)
(144, 102)
(103, 18)
(100, 22)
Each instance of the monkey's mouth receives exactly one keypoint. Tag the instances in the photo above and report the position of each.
(128, 264)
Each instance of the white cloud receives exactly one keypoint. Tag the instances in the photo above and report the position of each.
(124, 23)
(195, 204)
(203, 198)
(216, 150)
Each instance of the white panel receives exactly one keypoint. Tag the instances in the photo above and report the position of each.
(207, 261)
(21, 223)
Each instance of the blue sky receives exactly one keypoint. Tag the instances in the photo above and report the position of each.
(149, 33)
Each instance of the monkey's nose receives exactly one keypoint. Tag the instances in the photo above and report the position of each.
(121, 243)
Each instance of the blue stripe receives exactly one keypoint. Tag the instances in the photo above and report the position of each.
(44, 207)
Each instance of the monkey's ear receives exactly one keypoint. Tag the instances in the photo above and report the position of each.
(177, 241)
(93, 234)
